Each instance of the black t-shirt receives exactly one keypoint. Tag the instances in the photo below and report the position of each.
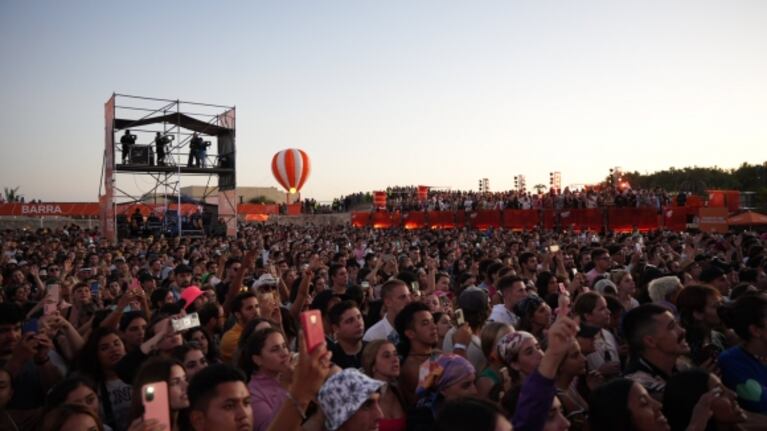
(221, 289)
(343, 360)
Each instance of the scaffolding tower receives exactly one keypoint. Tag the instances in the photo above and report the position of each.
(166, 141)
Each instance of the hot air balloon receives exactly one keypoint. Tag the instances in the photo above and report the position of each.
(291, 169)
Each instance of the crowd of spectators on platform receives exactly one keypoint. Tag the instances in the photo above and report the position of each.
(407, 199)
(423, 330)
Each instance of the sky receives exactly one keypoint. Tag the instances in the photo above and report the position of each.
(381, 93)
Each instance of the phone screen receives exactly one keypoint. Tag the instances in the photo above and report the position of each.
(459, 320)
(30, 325)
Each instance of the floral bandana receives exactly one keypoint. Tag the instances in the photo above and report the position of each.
(508, 346)
(437, 374)
(343, 394)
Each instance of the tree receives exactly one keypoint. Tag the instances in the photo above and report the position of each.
(540, 188)
(12, 194)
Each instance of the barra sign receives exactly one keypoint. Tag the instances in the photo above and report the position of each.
(44, 209)
(41, 209)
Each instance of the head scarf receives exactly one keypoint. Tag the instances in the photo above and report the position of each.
(439, 373)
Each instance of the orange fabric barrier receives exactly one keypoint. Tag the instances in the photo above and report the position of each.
(256, 217)
(628, 219)
(271, 209)
(379, 200)
(146, 209)
(619, 219)
(385, 220)
(581, 219)
(84, 209)
(520, 219)
(360, 219)
(294, 209)
(414, 220)
(549, 219)
(485, 219)
(441, 219)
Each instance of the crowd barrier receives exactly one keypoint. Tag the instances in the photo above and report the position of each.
(93, 209)
(582, 219)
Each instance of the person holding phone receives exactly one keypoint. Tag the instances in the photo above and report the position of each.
(170, 371)
(27, 358)
(266, 358)
(98, 359)
(697, 400)
(698, 307)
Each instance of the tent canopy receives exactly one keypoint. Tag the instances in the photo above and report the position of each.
(178, 119)
(748, 218)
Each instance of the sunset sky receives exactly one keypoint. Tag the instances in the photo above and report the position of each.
(382, 93)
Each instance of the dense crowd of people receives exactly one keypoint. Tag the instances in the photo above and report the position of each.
(416, 330)
(407, 199)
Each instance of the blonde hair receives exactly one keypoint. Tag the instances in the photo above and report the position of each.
(369, 355)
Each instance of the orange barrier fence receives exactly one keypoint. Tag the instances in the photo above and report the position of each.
(92, 209)
(581, 219)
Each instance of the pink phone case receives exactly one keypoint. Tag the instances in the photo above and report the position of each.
(311, 322)
(154, 396)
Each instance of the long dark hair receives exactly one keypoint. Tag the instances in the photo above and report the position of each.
(157, 369)
(55, 419)
(254, 346)
(468, 413)
(88, 360)
(212, 355)
(683, 390)
(747, 310)
(609, 406)
(58, 393)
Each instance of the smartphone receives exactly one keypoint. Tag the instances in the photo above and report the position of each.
(95, 287)
(365, 285)
(416, 287)
(314, 332)
(154, 397)
(459, 320)
(553, 248)
(187, 322)
(50, 308)
(53, 293)
(30, 325)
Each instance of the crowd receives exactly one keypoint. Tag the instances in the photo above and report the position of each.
(334, 328)
(406, 199)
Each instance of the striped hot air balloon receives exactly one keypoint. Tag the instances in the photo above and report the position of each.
(291, 169)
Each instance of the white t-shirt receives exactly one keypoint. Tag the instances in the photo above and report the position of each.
(502, 314)
(608, 344)
(380, 331)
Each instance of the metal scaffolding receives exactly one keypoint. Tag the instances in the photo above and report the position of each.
(154, 123)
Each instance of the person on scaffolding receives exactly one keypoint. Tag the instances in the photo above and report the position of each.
(195, 144)
(160, 142)
(128, 141)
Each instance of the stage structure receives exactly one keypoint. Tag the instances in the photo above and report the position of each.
(167, 140)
